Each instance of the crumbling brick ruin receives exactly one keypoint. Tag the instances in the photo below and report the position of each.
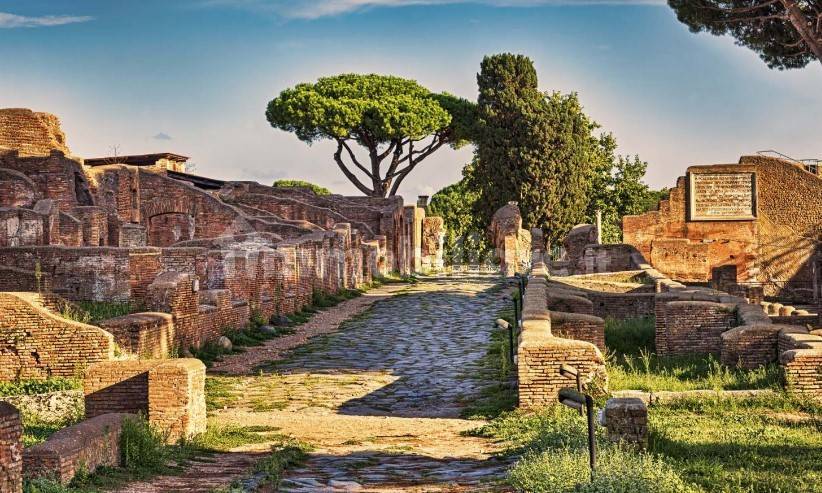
(200, 255)
(594, 282)
(752, 225)
(512, 244)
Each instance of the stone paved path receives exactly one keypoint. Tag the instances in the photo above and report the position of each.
(380, 399)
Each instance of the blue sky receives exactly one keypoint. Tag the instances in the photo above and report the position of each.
(194, 76)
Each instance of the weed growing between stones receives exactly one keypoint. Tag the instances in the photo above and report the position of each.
(251, 335)
(500, 395)
(633, 364)
(91, 312)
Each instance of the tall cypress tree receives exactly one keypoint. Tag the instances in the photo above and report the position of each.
(534, 148)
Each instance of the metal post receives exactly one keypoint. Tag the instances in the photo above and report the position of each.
(516, 311)
(576, 400)
(592, 446)
(511, 343)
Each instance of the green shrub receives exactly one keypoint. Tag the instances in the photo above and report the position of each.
(618, 471)
(32, 387)
(142, 447)
(43, 485)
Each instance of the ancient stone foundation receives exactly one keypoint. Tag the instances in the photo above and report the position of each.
(626, 420)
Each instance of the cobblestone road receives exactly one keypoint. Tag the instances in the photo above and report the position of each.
(384, 396)
(380, 399)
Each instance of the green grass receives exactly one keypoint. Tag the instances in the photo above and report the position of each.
(753, 445)
(758, 444)
(91, 312)
(219, 392)
(633, 364)
(497, 371)
(32, 387)
(287, 454)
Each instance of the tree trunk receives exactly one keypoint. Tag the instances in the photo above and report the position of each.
(800, 23)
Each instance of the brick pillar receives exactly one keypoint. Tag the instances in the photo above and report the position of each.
(11, 449)
(626, 419)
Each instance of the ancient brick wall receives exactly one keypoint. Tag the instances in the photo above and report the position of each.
(775, 248)
(16, 189)
(189, 212)
(171, 393)
(11, 449)
(71, 230)
(579, 326)
(146, 335)
(176, 293)
(750, 346)
(540, 353)
(116, 187)
(55, 177)
(607, 258)
(82, 447)
(98, 274)
(21, 227)
(31, 133)
(565, 302)
(574, 244)
(38, 343)
(695, 327)
(95, 224)
(802, 370)
(622, 305)
(13, 279)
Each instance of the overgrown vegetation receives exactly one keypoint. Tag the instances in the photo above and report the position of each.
(500, 392)
(144, 454)
(768, 443)
(716, 445)
(633, 364)
(33, 387)
(91, 312)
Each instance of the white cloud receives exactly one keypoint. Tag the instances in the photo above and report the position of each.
(314, 9)
(9, 21)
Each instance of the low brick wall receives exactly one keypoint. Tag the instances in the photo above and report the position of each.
(85, 446)
(540, 353)
(622, 305)
(695, 327)
(626, 419)
(147, 334)
(171, 393)
(38, 343)
(11, 449)
(802, 370)
(750, 346)
(580, 327)
(565, 302)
